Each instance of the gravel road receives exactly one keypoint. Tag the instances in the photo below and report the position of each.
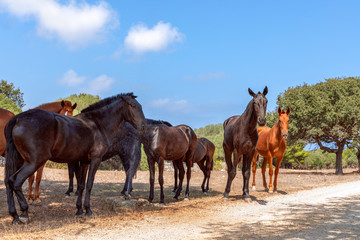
(323, 213)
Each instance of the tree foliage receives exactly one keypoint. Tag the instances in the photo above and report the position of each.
(8, 104)
(9, 90)
(327, 114)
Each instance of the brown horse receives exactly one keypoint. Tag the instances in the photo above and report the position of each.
(5, 117)
(240, 139)
(163, 142)
(64, 108)
(272, 144)
(34, 136)
(203, 156)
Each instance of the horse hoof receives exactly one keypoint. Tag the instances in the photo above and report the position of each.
(24, 220)
(37, 201)
(254, 188)
(275, 191)
(226, 195)
(186, 199)
(30, 201)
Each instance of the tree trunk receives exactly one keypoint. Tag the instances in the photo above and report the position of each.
(338, 163)
(358, 157)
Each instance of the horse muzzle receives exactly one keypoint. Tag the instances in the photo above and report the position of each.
(262, 121)
(284, 135)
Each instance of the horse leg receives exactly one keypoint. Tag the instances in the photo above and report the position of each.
(81, 186)
(181, 177)
(263, 171)
(17, 181)
(78, 176)
(161, 180)
(94, 165)
(271, 172)
(71, 171)
(254, 160)
(188, 177)
(246, 173)
(37, 184)
(176, 170)
(202, 168)
(278, 162)
(231, 170)
(29, 193)
(151, 164)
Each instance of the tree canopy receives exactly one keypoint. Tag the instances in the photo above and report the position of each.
(9, 91)
(8, 104)
(327, 114)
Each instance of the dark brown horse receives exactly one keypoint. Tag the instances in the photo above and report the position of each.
(65, 108)
(163, 142)
(203, 156)
(36, 135)
(240, 139)
(272, 144)
(5, 117)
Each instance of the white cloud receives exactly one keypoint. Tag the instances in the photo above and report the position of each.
(171, 105)
(141, 39)
(96, 85)
(71, 79)
(76, 24)
(100, 84)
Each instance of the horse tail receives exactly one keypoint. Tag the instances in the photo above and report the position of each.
(212, 165)
(12, 156)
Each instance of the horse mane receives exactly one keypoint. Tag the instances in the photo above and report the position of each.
(106, 102)
(157, 122)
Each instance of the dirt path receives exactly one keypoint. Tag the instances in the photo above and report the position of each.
(322, 213)
(309, 205)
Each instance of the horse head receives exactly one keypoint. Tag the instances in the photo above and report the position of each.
(134, 114)
(66, 108)
(284, 122)
(260, 103)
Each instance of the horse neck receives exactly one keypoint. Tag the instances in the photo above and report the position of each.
(250, 117)
(52, 107)
(101, 117)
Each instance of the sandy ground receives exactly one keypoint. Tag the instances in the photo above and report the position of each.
(308, 205)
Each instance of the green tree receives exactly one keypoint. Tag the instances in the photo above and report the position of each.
(326, 114)
(7, 104)
(83, 100)
(9, 90)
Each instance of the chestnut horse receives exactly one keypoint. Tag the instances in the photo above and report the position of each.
(272, 144)
(240, 139)
(163, 142)
(203, 156)
(64, 108)
(5, 117)
(36, 135)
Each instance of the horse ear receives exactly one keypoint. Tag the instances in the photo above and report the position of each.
(62, 103)
(288, 110)
(251, 93)
(279, 110)
(74, 106)
(265, 91)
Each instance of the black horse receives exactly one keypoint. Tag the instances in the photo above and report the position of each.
(36, 135)
(240, 139)
(203, 156)
(126, 144)
(163, 142)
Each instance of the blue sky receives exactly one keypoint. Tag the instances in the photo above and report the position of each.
(189, 62)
